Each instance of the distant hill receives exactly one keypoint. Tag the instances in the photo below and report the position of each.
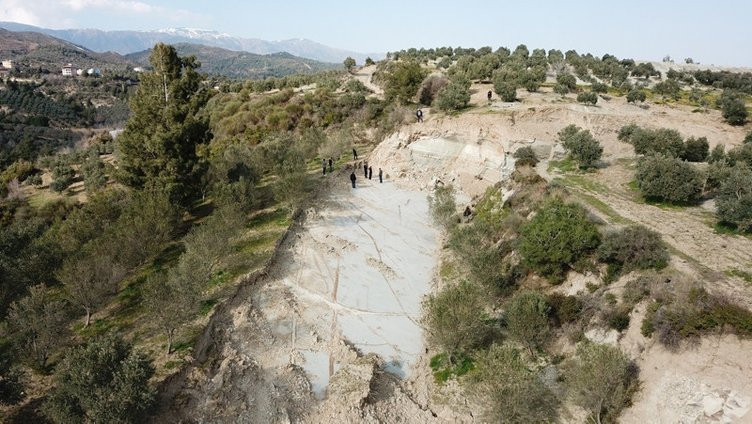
(235, 64)
(31, 49)
(125, 42)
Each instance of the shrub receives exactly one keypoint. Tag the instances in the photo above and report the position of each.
(748, 138)
(102, 381)
(476, 247)
(636, 95)
(525, 156)
(443, 206)
(454, 96)
(734, 199)
(599, 87)
(633, 247)
(430, 88)
(645, 141)
(669, 179)
(567, 80)
(507, 91)
(561, 89)
(695, 149)
(369, 61)
(513, 394)
(349, 63)
(587, 97)
(526, 317)
(718, 154)
(617, 318)
(581, 145)
(733, 107)
(455, 320)
(558, 236)
(602, 380)
(62, 177)
(564, 309)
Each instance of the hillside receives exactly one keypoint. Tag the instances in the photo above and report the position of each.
(126, 42)
(235, 64)
(35, 50)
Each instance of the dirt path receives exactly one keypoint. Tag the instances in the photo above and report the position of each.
(349, 283)
(365, 75)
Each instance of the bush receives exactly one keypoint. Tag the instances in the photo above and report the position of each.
(455, 320)
(507, 91)
(513, 394)
(525, 156)
(633, 247)
(695, 149)
(645, 141)
(581, 145)
(443, 206)
(733, 107)
(556, 238)
(561, 89)
(617, 319)
(668, 88)
(62, 177)
(564, 309)
(602, 380)
(567, 80)
(587, 97)
(102, 381)
(599, 87)
(636, 95)
(526, 317)
(748, 138)
(430, 88)
(734, 199)
(668, 179)
(454, 96)
(718, 154)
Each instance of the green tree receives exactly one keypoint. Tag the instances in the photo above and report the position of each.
(602, 380)
(526, 317)
(511, 392)
(733, 107)
(636, 95)
(633, 247)
(430, 88)
(718, 154)
(454, 96)
(369, 61)
(104, 381)
(734, 199)
(93, 172)
(695, 149)
(38, 326)
(599, 87)
(62, 176)
(670, 179)
(568, 80)
(556, 238)
(158, 148)
(403, 79)
(349, 64)
(455, 319)
(668, 88)
(581, 145)
(507, 91)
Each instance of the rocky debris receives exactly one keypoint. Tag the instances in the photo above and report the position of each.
(696, 402)
(603, 336)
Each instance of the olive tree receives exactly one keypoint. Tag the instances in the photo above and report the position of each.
(670, 179)
(734, 199)
(581, 145)
(526, 317)
(733, 107)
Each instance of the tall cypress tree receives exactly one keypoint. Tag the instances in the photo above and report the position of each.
(157, 150)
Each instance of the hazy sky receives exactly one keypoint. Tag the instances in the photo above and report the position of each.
(717, 32)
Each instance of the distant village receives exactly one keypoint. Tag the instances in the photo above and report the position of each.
(69, 70)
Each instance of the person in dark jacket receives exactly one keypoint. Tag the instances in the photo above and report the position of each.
(419, 115)
(353, 178)
(323, 165)
(365, 169)
(381, 176)
(355, 154)
(370, 172)
(489, 95)
(331, 167)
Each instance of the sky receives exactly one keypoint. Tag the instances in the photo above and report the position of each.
(717, 32)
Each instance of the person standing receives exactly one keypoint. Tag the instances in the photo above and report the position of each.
(353, 178)
(323, 165)
(365, 169)
(355, 154)
(370, 172)
(419, 115)
(489, 96)
(381, 176)
(331, 166)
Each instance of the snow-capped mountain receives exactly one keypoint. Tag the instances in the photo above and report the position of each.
(125, 42)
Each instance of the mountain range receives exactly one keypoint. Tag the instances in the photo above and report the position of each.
(126, 42)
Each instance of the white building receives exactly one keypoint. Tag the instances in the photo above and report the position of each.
(79, 72)
(95, 72)
(7, 64)
(69, 70)
(138, 69)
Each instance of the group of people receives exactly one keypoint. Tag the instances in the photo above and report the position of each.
(331, 165)
(367, 171)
